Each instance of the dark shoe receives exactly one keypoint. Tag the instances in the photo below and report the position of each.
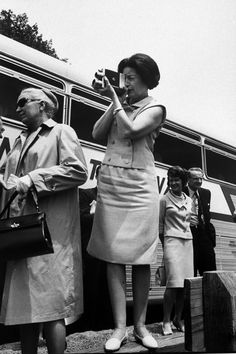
(166, 329)
(179, 325)
(148, 341)
(114, 344)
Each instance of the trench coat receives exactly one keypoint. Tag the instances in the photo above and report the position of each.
(48, 287)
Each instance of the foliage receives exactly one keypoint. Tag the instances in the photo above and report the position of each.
(18, 28)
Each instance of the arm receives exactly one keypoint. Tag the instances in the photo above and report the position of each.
(103, 125)
(145, 122)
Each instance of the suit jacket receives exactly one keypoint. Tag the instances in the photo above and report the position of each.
(205, 200)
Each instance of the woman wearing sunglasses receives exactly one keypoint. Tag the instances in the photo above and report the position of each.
(125, 229)
(48, 158)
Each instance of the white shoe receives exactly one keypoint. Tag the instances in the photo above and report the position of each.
(166, 329)
(147, 341)
(114, 344)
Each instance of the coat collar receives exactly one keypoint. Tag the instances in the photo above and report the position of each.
(27, 140)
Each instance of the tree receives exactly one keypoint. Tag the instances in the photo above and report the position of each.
(17, 28)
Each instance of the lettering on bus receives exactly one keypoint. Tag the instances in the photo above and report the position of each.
(95, 164)
(160, 184)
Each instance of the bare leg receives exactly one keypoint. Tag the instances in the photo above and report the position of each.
(179, 309)
(29, 336)
(117, 283)
(55, 334)
(141, 285)
(168, 303)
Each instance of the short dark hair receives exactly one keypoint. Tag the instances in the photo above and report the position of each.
(177, 171)
(145, 66)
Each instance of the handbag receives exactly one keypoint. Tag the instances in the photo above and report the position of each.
(24, 236)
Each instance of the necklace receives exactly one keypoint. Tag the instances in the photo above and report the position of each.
(181, 197)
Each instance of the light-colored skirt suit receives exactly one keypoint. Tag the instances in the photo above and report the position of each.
(178, 260)
(174, 223)
(125, 228)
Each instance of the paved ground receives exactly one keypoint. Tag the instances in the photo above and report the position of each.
(93, 342)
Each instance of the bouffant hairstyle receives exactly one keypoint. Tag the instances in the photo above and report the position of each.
(177, 171)
(145, 66)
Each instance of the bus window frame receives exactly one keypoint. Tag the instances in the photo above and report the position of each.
(91, 104)
(181, 137)
(35, 82)
(87, 100)
(33, 69)
(219, 151)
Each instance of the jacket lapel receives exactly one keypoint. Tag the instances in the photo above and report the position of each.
(27, 142)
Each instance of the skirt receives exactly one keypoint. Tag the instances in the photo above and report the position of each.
(125, 228)
(178, 260)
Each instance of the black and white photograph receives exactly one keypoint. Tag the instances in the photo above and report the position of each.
(117, 176)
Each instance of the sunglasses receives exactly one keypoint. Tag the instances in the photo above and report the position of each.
(23, 101)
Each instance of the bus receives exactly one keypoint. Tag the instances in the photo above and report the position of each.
(80, 107)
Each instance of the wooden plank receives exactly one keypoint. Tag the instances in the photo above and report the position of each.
(197, 324)
(194, 325)
(196, 311)
(195, 302)
(219, 293)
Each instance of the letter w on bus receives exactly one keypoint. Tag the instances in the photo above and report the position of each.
(160, 184)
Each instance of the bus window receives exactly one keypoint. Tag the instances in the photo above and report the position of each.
(173, 151)
(10, 89)
(90, 95)
(20, 69)
(220, 167)
(83, 118)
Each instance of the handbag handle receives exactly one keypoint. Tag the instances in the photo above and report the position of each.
(8, 203)
(7, 206)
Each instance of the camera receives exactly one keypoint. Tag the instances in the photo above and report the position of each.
(117, 80)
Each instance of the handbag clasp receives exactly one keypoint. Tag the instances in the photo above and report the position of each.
(14, 225)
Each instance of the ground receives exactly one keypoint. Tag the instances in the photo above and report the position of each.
(93, 342)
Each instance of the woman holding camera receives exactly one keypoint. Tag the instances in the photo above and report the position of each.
(125, 225)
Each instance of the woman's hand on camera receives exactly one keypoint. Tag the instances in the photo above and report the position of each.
(103, 87)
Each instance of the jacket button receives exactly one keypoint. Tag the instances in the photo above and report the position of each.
(109, 159)
(113, 142)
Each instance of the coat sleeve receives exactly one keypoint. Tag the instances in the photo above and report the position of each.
(71, 170)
